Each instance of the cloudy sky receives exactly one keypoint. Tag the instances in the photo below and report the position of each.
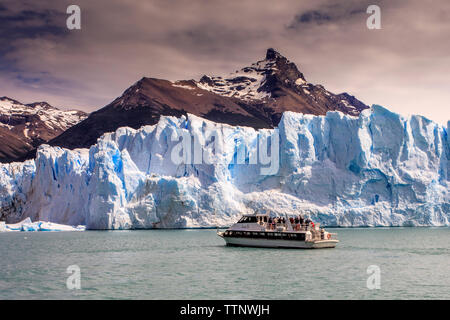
(405, 66)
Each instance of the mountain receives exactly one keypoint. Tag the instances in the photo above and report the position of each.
(378, 169)
(255, 96)
(23, 127)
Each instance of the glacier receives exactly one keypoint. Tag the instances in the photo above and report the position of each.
(378, 169)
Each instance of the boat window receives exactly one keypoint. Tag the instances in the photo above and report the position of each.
(247, 219)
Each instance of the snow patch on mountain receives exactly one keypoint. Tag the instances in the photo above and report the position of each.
(36, 122)
(52, 117)
(244, 84)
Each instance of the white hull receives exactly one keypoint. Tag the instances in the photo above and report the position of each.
(278, 243)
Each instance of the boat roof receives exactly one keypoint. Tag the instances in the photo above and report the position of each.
(255, 214)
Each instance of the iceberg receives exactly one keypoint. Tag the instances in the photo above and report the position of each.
(378, 169)
(49, 226)
(28, 226)
(18, 226)
(31, 226)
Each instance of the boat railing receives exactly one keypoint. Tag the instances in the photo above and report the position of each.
(295, 227)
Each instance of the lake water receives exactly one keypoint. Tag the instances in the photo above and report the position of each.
(195, 264)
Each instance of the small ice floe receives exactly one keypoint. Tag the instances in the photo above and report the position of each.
(49, 226)
(28, 225)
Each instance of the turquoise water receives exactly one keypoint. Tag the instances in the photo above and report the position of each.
(195, 264)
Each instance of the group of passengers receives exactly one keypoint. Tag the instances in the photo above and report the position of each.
(297, 222)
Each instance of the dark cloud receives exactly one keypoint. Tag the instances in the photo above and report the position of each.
(404, 66)
(332, 12)
(28, 80)
(308, 17)
(31, 24)
(21, 25)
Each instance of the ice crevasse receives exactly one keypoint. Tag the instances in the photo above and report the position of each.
(378, 169)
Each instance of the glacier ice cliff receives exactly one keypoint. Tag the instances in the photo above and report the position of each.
(378, 169)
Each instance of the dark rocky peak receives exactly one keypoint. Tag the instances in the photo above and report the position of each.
(282, 66)
(4, 98)
(282, 73)
(42, 104)
(262, 79)
(352, 102)
(207, 80)
(137, 86)
(138, 95)
(272, 54)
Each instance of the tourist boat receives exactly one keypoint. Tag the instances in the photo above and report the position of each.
(260, 230)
